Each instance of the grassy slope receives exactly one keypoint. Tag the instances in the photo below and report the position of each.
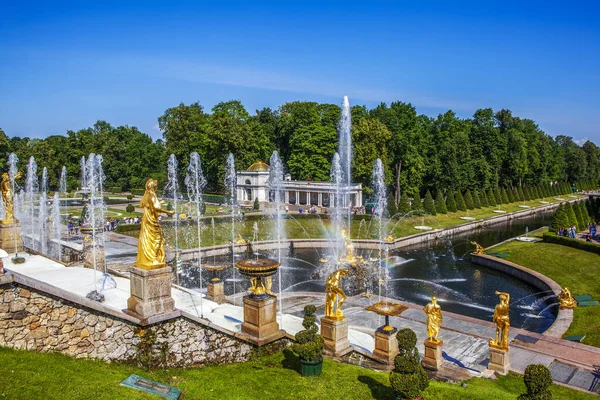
(573, 268)
(52, 376)
(317, 228)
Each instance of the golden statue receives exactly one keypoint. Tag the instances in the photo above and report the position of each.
(333, 290)
(502, 321)
(259, 289)
(348, 249)
(239, 239)
(390, 239)
(565, 299)
(151, 252)
(8, 198)
(434, 319)
(479, 250)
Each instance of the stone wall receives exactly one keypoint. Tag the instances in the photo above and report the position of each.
(33, 320)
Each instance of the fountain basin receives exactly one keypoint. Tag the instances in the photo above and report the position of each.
(499, 211)
(526, 239)
(468, 218)
(257, 269)
(387, 309)
(524, 206)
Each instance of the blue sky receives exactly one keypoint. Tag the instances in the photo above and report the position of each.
(65, 65)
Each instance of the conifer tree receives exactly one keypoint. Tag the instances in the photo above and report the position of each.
(440, 203)
(483, 199)
(469, 200)
(581, 225)
(476, 199)
(460, 202)
(504, 196)
(491, 198)
(521, 194)
(570, 214)
(417, 204)
(429, 204)
(404, 205)
(509, 194)
(451, 202)
(584, 213)
(497, 196)
(560, 219)
(392, 208)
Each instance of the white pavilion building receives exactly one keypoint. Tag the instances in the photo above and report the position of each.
(253, 183)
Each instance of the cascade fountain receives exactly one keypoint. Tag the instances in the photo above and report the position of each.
(83, 165)
(63, 180)
(56, 225)
(276, 187)
(195, 182)
(345, 152)
(378, 179)
(13, 174)
(171, 192)
(43, 213)
(230, 182)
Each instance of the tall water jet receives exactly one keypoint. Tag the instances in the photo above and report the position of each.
(16, 206)
(345, 152)
(95, 211)
(31, 191)
(337, 205)
(62, 188)
(83, 165)
(230, 182)
(56, 225)
(44, 186)
(276, 187)
(378, 180)
(195, 183)
(171, 192)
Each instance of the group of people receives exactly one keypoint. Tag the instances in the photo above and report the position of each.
(569, 232)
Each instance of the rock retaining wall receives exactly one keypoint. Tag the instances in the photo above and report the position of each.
(33, 320)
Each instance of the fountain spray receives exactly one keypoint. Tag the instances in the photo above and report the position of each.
(276, 186)
(13, 160)
(171, 191)
(230, 182)
(378, 179)
(195, 182)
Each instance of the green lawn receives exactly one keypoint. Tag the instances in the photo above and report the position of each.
(301, 228)
(573, 268)
(30, 375)
(110, 213)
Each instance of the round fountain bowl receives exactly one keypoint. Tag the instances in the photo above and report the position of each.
(257, 267)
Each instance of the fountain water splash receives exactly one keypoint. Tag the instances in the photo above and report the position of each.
(378, 179)
(195, 183)
(13, 170)
(337, 205)
(94, 178)
(31, 192)
(171, 192)
(83, 165)
(230, 183)
(345, 152)
(276, 187)
(63, 180)
(56, 226)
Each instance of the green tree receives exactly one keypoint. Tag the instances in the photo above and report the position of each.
(521, 194)
(130, 208)
(581, 225)
(429, 204)
(570, 214)
(483, 199)
(491, 198)
(256, 204)
(404, 205)
(584, 213)
(504, 196)
(417, 204)
(498, 196)
(476, 199)
(451, 202)
(440, 203)
(392, 208)
(469, 200)
(460, 201)
(408, 378)
(560, 219)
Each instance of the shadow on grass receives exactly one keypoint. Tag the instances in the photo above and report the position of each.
(290, 360)
(378, 389)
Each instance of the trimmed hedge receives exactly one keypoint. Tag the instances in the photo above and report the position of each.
(551, 237)
(128, 228)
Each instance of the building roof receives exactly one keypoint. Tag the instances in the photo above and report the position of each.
(259, 166)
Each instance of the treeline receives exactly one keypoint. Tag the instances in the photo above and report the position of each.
(450, 154)
(454, 201)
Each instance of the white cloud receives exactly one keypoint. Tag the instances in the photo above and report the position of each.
(581, 142)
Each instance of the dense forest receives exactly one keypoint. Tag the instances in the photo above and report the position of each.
(420, 153)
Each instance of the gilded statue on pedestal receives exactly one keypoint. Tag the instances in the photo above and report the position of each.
(8, 198)
(502, 321)
(333, 288)
(479, 250)
(434, 319)
(151, 252)
(348, 249)
(565, 299)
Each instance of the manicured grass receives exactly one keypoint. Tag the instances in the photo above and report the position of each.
(110, 213)
(30, 375)
(573, 268)
(302, 228)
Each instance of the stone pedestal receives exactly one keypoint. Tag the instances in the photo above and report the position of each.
(433, 358)
(215, 291)
(499, 360)
(386, 346)
(8, 234)
(150, 292)
(260, 317)
(89, 247)
(335, 335)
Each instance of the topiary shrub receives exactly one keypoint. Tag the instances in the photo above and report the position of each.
(130, 208)
(309, 344)
(417, 204)
(469, 200)
(440, 203)
(392, 207)
(537, 380)
(491, 198)
(460, 201)
(429, 204)
(256, 204)
(404, 205)
(451, 202)
(408, 378)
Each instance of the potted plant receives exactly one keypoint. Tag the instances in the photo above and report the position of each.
(408, 378)
(309, 344)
